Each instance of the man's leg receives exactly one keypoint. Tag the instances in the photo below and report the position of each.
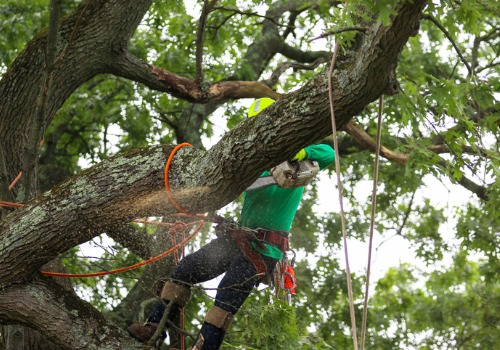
(208, 262)
(235, 287)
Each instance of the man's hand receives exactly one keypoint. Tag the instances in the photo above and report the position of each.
(301, 155)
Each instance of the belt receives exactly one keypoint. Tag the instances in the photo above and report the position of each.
(275, 237)
(243, 236)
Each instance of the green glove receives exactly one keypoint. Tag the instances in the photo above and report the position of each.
(301, 155)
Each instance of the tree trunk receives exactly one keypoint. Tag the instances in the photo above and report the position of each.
(131, 185)
(90, 40)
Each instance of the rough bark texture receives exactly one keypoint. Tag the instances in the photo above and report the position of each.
(131, 185)
(90, 39)
(70, 320)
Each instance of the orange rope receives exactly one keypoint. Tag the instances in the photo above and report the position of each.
(131, 267)
(10, 204)
(15, 180)
(167, 186)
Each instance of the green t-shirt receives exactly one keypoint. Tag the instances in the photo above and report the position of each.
(273, 207)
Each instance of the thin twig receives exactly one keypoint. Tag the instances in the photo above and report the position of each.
(452, 41)
(475, 47)
(251, 14)
(161, 326)
(291, 20)
(407, 215)
(452, 151)
(273, 80)
(488, 66)
(200, 36)
(337, 31)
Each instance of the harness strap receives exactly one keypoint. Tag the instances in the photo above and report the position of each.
(245, 237)
(242, 240)
(278, 238)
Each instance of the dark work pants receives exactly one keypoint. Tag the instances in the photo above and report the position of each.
(219, 256)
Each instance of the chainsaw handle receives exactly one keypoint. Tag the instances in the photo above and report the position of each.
(295, 165)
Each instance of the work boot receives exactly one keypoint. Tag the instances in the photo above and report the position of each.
(142, 332)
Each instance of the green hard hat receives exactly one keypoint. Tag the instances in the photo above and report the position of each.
(259, 105)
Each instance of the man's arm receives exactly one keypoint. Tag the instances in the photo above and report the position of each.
(322, 153)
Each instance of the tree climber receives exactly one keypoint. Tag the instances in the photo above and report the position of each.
(245, 253)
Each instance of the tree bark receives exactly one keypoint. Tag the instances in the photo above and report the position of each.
(131, 185)
(90, 39)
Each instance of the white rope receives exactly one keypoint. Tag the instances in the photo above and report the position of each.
(339, 185)
(372, 220)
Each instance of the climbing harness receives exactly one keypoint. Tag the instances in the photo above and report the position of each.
(246, 238)
(285, 282)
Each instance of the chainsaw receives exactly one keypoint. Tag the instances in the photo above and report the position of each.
(288, 174)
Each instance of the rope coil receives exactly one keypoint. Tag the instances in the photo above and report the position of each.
(166, 177)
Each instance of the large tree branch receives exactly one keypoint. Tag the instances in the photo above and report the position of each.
(303, 56)
(70, 321)
(130, 67)
(256, 57)
(366, 141)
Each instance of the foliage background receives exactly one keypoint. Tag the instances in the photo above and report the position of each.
(450, 300)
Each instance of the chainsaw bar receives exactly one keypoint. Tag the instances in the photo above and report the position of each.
(262, 182)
